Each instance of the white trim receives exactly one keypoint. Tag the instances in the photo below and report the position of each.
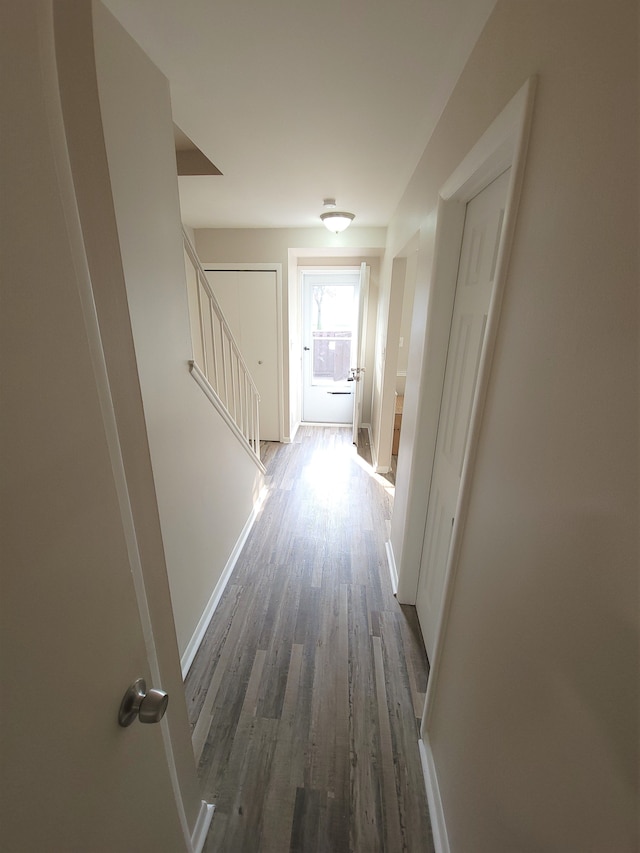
(401, 372)
(504, 144)
(277, 269)
(372, 449)
(208, 389)
(201, 828)
(369, 433)
(194, 643)
(337, 269)
(361, 348)
(436, 812)
(294, 432)
(324, 424)
(379, 469)
(391, 562)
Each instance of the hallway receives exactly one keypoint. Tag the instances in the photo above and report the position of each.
(306, 693)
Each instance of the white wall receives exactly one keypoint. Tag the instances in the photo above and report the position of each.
(206, 483)
(533, 721)
(291, 247)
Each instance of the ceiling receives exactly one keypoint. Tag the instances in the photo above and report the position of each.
(299, 100)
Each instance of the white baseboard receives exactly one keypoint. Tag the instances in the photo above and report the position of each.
(379, 469)
(194, 643)
(371, 447)
(294, 430)
(200, 830)
(391, 561)
(436, 812)
(325, 424)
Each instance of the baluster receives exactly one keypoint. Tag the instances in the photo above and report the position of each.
(224, 367)
(214, 357)
(234, 362)
(202, 331)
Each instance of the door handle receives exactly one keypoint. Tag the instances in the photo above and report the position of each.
(148, 705)
(306, 349)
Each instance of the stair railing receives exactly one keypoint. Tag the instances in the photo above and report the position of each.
(217, 364)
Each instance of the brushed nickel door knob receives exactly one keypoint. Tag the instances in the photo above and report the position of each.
(148, 706)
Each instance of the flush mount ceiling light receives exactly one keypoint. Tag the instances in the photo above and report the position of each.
(335, 220)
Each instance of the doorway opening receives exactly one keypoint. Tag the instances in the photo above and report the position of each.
(330, 312)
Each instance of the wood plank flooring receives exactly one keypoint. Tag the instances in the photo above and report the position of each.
(306, 693)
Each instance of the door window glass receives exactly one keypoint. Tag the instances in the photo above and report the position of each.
(331, 332)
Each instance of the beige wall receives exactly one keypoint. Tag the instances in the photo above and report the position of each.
(534, 717)
(291, 247)
(406, 319)
(206, 483)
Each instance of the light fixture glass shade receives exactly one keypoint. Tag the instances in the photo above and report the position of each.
(337, 221)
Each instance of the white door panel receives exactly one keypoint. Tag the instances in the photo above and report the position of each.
(480, 241)
(330, 311)
(72, 634)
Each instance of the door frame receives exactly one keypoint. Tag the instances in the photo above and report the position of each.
(487, 207)
(503, 145)
(277, 269)
(360, 354)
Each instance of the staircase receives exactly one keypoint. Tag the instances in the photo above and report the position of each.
(217, 364)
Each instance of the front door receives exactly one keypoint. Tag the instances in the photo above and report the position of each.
(330, 325)
(480, 241)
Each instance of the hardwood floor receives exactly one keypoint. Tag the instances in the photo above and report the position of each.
(306, 693)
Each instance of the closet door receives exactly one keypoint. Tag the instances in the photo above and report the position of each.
(476, 272)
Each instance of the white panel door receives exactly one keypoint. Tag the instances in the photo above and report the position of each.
(480, 241)
(71, 631)
(249, 301)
